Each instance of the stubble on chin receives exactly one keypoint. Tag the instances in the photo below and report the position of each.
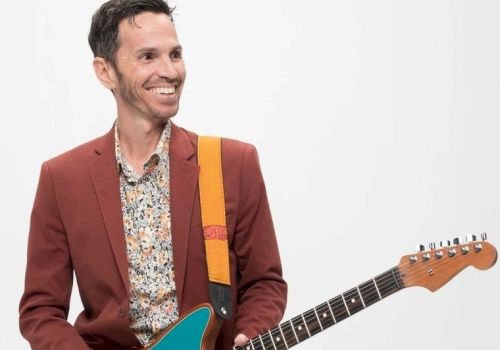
(132, 98)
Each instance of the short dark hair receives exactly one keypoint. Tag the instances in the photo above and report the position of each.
(103, 35)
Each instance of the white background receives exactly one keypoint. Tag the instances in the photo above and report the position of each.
(376, 124)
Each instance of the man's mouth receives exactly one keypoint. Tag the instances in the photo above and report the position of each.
(169, 90)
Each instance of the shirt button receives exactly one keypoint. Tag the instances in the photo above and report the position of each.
(121, 313)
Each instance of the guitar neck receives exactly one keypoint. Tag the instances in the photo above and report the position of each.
(327, 314)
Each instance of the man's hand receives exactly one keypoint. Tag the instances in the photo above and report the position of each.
(240, 339)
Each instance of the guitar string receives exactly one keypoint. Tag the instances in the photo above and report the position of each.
(288, 332)
(417, 272)
(404, 268)
(386, 281)
(422, 270)
(267, 342)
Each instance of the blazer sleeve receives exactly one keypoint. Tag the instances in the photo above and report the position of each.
(261, 288)
(44, 306)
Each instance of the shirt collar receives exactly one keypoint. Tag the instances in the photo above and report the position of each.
(160, 152)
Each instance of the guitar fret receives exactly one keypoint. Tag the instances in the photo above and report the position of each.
(272, 340)
(305, 324)
(345, 304)
(369, 293)
(289, 333)
(361, 297)
(353, 300)
(325, 315)
(277, 339)
(299, 328)
(247, 346)
(331, 312)
(293, 330)
(312, 322)
(268, 341)
(339, 309)
(262, 342)
(376, 287)
(396, 279)
(387, 283)
(256, 346)
(383, 286)
(283, 335)
(317, 317)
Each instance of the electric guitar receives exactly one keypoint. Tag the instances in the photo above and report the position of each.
(433, 268)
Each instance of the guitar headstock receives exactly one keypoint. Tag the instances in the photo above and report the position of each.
(434, 267)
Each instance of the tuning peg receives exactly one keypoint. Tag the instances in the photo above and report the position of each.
(470, 238)
(457, 240)
(420, 248)
(444, 243)
(432, 246)
(484, 236)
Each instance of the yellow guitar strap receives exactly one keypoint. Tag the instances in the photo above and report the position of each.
(213, 218)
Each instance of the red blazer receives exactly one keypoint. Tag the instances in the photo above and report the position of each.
(77, 226)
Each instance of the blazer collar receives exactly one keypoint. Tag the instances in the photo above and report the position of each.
(183, 185)
(180, 143)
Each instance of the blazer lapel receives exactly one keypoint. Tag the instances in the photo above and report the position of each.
(183, 185)
(105, 177)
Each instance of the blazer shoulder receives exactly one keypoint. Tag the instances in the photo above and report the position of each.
(231, 148)
(237, 149)
(79, 156)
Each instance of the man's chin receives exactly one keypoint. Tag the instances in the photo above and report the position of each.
(163, 113)
(164, 116)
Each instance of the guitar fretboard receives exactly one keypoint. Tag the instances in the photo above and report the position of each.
(327, 314)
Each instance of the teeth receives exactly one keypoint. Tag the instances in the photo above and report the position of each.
(163, 90)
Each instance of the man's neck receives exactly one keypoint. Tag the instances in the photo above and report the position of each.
(138, 139)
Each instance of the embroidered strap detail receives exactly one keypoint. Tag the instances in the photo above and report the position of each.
(215, 232)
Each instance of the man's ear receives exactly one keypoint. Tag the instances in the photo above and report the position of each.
(105, 73)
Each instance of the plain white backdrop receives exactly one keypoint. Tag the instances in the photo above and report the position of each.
(377, 125)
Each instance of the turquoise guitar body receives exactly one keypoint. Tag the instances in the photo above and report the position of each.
(194, 331)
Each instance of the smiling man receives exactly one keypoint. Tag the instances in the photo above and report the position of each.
(122, 212)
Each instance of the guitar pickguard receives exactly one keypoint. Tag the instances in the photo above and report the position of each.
(188, 333)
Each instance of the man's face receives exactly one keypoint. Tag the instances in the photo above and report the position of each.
(150, 68)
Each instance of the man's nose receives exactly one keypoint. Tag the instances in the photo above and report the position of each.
(167, 69)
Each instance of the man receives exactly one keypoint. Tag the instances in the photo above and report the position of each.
(123, 211)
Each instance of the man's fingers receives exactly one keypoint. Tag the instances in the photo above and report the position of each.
(240, 340)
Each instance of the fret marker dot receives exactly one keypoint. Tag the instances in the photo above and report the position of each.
(299, 328)
(353, 300)
(278, 339)
(248, 347)
(324, 315)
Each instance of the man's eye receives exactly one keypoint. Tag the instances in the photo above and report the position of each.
(146, 56)
(176, 54)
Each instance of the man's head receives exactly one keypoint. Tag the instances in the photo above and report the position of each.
(138, 56)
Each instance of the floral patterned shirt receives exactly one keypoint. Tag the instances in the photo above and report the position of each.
(147, 222)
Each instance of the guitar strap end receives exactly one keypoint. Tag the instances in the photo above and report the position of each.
(220, 295)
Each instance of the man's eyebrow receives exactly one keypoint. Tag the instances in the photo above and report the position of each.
(145, 49)
(153, 49)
